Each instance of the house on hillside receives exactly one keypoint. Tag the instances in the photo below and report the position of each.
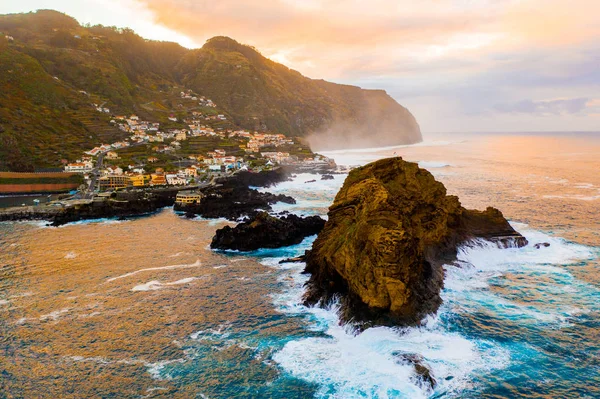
(112, 170)
(112, 155)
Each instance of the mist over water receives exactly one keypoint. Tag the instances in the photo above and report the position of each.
(143, 307)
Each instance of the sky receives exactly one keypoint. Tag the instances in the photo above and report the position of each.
(457, 65)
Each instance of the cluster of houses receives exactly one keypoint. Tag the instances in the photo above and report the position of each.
(256, 140)
(260, 140)
(113, 177)
(203, 101)
(99, 108)
(216, 161)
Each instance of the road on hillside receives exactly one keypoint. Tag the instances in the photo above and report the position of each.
(94, 175)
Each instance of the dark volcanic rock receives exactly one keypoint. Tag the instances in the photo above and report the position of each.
(390, 230)
(301, 258)
(135, 204)
(327, 177)
(265, 231)
(233, 202)
(423, 372)
(541, 245)
(233, 198)
(251, 179)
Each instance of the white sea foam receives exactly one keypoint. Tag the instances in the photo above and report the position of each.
(55, 315)
(157, 285)
(150, 269)
(311, 198)
(157, 369)
(573, 197)
(433, 164)
(345, 364)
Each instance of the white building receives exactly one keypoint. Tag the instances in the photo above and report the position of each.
(79, 167)
(175, 180)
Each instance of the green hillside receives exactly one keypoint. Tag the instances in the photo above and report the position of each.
(52, 70)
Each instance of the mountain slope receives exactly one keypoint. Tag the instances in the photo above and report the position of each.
(256, 90)
(52, 59)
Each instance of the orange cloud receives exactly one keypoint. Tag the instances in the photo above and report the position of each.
(338, 38)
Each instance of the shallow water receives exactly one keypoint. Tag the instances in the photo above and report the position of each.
(143, 308)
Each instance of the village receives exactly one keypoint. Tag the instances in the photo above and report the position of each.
(189, 155)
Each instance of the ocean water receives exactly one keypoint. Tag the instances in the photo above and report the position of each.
(143, 308)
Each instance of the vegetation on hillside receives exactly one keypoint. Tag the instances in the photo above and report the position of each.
(54, 69)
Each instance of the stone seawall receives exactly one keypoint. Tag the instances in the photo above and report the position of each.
(36, 188)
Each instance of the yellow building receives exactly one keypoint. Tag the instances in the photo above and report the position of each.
(158, 178)
(140, 180)
(187, 197)
(109, 183)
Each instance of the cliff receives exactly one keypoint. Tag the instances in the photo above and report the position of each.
(54, 69)
(389, 232)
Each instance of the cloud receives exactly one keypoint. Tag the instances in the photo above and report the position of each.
(456, 64)
(550, 107)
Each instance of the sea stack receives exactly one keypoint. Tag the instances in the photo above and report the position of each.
(389, 232)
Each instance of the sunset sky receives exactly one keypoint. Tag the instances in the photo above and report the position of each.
(458, 65)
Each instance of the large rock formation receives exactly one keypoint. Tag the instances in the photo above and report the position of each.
(265, 231)
(391, 229)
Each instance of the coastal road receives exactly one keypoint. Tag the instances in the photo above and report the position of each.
(94, 175)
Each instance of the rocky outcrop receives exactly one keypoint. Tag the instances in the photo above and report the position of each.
(391, 229)
(265, 231)
(123, 205)
(232, 197)
(232, 203)
(249, 179)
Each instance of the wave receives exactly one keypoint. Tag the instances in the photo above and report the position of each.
(197, 263)
(433, 164)
(347, 364)
(157, 285)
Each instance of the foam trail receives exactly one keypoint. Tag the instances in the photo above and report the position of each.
(185, 266)
(157, 285)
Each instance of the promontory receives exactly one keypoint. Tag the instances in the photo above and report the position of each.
(390, 231)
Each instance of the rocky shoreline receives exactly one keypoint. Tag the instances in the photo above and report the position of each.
(120, 205)
(230, 198)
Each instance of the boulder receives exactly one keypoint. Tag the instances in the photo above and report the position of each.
(266, 231)
(327, 177)
(423, 374)
(389, 232)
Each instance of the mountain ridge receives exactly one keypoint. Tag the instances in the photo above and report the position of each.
(124, 71)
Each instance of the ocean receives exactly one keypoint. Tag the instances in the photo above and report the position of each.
(143, 308)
